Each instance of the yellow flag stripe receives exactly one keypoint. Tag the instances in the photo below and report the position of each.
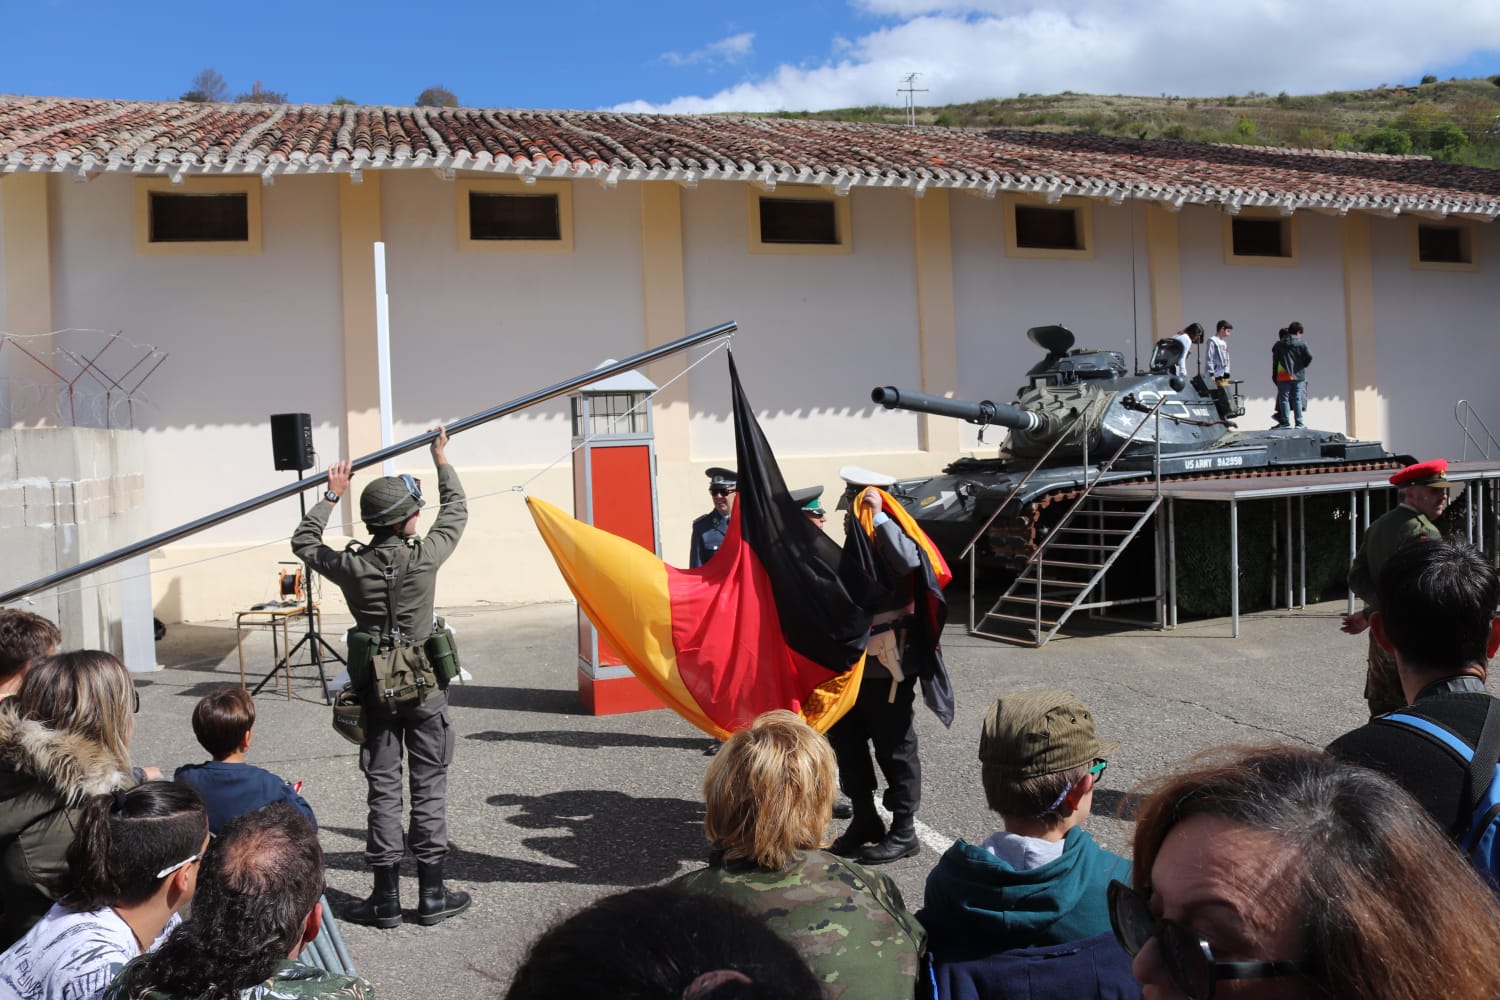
(623, 589)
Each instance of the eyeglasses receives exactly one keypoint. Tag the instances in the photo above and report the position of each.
(1095, 771)
(179, 865)
(718, 491)
(1187, 957)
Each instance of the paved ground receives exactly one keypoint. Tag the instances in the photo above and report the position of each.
(550, 808)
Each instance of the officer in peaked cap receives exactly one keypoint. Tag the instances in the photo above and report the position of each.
(882, 716)
(708, 530)
(389, 506)
(1424, 496)
(809, 499)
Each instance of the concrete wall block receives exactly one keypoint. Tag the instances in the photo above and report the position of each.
(47, 452)
(39, 505)
(9, 472)
(65, 503)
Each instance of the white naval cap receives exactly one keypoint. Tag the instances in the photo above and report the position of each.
(856, 478)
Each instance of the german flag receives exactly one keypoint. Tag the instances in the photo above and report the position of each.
(771, 621)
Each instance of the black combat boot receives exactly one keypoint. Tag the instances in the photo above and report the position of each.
(383, 908)
(901, 842)
(866, 828)
(436, 902)
(843, 808)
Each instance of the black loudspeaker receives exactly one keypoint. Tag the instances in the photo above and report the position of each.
(291, 441)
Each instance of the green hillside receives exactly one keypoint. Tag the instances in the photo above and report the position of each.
(1453, 120)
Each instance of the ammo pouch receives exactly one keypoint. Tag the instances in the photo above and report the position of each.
(442, 653)
(362, 649)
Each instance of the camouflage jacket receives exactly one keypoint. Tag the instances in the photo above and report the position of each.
(290, 981)
(848, 922)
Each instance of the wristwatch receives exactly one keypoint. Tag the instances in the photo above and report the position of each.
(330, 496)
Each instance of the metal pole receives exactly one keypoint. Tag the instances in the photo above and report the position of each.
(1286, 534)
(1302, 550)
(401, 447)
(1234, 564)
(1353, 538)
(1172, 561)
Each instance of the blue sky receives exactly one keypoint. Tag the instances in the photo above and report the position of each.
(763, 57)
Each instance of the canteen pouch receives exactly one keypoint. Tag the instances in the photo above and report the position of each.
(349, 715)
(363, 647)
(403, 678)
(442, 653)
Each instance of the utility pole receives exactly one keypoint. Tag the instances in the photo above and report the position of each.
(910, 90)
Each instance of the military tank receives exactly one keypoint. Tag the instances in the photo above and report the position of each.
(1078, 409)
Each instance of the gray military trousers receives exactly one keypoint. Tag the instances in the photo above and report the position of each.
(425, 734)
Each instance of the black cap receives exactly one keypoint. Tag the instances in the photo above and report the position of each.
(807, 499)
(720, 478)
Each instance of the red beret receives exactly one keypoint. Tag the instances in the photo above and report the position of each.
(1433, 473)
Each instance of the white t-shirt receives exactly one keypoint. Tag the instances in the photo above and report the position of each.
(70, 955)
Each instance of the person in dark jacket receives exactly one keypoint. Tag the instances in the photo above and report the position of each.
(1042, 879)
(1289, 360)
(390, 506)
(224, 723)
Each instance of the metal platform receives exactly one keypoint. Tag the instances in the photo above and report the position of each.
(1478, 476)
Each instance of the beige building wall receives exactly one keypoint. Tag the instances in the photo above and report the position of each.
(928, 296)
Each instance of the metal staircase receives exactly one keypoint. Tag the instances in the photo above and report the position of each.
(1066, 570)
(1069, 565)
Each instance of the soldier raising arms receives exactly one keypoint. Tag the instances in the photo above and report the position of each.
(390, 586)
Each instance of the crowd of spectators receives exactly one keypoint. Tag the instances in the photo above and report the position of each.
(1255, 871)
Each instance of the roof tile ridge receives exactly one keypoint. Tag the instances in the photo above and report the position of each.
(616, 149)
(518, 138)
(440, 147)
(246, 142)
(148, 137)
(634, 121)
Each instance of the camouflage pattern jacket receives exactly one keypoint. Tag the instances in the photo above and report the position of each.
(290, 981)
(848, 923)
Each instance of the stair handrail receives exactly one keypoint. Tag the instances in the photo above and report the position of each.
(1463, 411)
(1088, 487)
(1082, 415)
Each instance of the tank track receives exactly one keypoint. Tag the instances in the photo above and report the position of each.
(1014, 548)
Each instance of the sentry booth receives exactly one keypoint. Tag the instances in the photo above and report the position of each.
(614, 488)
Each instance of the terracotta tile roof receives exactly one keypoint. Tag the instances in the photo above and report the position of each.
(61, 134)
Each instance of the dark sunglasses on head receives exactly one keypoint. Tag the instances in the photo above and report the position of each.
(1187, 957)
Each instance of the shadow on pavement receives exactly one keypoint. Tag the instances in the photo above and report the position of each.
(197, 647)
(598, 838)
(593, 741)
(515, 699)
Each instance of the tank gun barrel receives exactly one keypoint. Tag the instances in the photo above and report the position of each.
(983, 413)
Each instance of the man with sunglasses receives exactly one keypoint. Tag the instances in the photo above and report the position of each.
(708, 530)
(396, 558)
(1042, 879)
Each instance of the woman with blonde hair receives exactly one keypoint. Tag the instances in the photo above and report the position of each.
(1284, 873)
(768, 797)
(64, 737)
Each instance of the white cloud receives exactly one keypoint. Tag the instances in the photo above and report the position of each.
(994, 48)
(725, 50)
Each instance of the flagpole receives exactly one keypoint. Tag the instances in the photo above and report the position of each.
(401, 447)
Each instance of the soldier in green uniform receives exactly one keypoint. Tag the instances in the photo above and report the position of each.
(397, 558)
(1424, 498)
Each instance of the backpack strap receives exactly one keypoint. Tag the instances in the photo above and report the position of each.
(1486, 755)
(395, 575)
(1482, 758)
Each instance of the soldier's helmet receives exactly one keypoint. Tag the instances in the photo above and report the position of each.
(390, 500)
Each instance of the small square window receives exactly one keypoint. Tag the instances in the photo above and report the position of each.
(197, 215)
(1259, 237)
(514, 216)
(199, 218)
(798, 220)
(1444, 245)
(1040, 228)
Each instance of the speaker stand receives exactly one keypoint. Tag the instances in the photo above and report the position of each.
(314, 642)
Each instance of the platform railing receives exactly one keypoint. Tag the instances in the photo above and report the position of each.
(1464, 413)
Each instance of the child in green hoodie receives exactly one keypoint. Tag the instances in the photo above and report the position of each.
(1042, 879)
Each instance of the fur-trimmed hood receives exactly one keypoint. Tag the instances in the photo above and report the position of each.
(70, 765)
